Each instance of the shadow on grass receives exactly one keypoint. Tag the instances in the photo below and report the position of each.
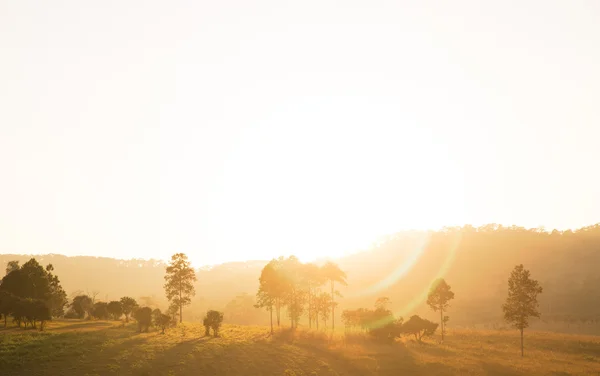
(495, 369)
(286, 353)
(79, 352)
(90, 325)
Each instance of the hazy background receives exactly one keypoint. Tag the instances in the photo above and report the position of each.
(236, 130)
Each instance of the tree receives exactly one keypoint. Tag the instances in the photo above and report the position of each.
(271, 289)
(333, 273)
(128, 304)
(439, 300)
(213, 320)
(419, 327)
(12, 266)
(82, 304)
(40, 311)
(164, 321)
(7, 302)
(313, 280)
(32, 281)
(206, 324)
(115, 309)
(322, 304)
(264, 300)
(179, 279)
(100, 310)
(294, 295)
(143, 316)
(521, 303)
(161, 320)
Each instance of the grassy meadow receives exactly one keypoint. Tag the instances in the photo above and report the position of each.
(109, 348)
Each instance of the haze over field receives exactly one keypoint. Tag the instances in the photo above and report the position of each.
(237, 130)
(289, 188)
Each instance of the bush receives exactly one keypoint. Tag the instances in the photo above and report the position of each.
(161, 320)
(115, 309)
(100, 311)
(213, 320)
(143, 316)
(419, 327)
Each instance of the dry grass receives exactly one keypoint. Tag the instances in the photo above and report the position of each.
(106, 348)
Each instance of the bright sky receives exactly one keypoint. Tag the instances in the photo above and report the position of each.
(235, 130)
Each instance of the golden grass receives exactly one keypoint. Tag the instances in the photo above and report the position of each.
(105, 348)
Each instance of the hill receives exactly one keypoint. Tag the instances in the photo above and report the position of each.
(107, 348)
(476, 262)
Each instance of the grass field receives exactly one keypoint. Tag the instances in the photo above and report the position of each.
(107, 348)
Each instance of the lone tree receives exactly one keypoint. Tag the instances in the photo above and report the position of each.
(180, 279)
(439, 300)
(213, 320)
(333, 273)
(521, 303)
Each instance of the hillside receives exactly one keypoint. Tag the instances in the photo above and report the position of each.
(476, 262)
(106, 348)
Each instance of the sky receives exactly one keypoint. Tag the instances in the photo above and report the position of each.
(234, 130)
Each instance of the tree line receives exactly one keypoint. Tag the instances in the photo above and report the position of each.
(32, 294)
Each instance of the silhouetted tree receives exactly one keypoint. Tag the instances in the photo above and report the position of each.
(40, 311)
(206, 324)
(439, 300)
(180, 279)
(115, 309)
(100, 311)
(213, 320)
(7, 302)
(58, 297)
(12, 266)
(294, 294)
(32, 281)
(82, 304)
(268, 288)
(271, 289)
(129, 304)
(419, 327)
(333, 274)
(521, 303)
(143, 316)
(164, 321)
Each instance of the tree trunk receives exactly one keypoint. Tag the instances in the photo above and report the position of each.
(271, 310)
(278, 307)
(180, 307)
(309, 308)
(442, 322)
(332, 308)
(317, 320)
(521, 342)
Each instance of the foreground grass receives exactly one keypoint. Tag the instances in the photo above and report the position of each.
(107, 348)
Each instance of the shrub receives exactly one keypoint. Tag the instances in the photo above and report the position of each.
(213, 320)
(143, 316)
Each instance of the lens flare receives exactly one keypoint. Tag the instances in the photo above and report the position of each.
(411, 259)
